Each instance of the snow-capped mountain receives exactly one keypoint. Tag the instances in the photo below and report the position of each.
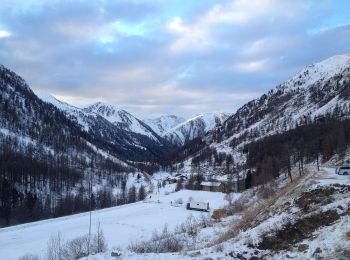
(319, 90)
(129, 137)
(164, 123)
(40, 129)
(193, 128)
(122, 119)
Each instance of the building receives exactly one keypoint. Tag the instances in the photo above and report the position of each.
(213, 186)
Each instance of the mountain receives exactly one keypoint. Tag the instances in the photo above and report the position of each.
(50, 151)
(164, 123)
(128, 136)
(320, 90)
(27, 121)
(193, 128)
(123, 120)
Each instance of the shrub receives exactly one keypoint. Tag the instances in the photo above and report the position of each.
(54, 248)
(163, 242)
(179, 201)
(76, 248)
(347, 235)
(29, 257)
(58, 249)
(99, 242)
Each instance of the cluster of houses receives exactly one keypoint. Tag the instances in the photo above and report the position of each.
(213, 185)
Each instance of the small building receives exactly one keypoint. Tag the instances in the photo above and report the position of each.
(201, 206)
(181, 177)
(169, 180)
(213, 186)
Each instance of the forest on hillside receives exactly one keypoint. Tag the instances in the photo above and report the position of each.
(316, 142)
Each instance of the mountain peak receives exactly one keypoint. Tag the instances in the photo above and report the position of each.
(110, 112)
(322, 70)
(9, 75)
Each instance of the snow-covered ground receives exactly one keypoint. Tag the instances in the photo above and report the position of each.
(120, 224)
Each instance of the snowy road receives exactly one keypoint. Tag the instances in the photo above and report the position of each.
(120, 224)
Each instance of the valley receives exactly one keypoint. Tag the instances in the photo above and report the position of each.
(258, 168)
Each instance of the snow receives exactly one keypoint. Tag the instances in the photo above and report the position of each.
(77, 113)
(210, 183)
(121, 224)
(48, 98)
(164, 123)
(285, 107)
(121, 118)
(194, 127)
(321, 70)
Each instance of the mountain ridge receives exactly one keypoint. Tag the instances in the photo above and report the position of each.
(311, 94)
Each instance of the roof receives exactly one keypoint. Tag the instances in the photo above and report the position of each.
(211, 183)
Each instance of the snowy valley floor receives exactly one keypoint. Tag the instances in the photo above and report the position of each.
(306, 219)
(120, 224)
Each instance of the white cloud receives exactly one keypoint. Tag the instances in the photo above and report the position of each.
(251, 66)
(4, 34)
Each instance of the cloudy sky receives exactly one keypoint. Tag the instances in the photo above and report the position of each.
(155, 57)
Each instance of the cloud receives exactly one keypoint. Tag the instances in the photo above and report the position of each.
(155, 57)
(4, 34)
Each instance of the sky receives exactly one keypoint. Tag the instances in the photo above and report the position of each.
(158, 57)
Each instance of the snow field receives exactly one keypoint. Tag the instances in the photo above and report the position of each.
(121, 225)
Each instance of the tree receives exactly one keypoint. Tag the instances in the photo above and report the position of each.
(141, 193)
(248, 180)
(99, 240)
(179, 185)
(132, 194)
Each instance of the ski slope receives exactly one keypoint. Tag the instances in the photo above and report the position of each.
(120, 224)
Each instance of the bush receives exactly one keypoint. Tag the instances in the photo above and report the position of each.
(29, 257)
(54, 248)
(99, 242)
(58, 249)
(347, 235)
(159, 243)
(76, 248)
(179, 201)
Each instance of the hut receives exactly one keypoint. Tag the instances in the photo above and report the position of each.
(212, 186)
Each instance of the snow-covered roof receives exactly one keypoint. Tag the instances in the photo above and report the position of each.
(210, 183)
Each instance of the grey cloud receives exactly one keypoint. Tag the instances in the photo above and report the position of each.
(56, 48)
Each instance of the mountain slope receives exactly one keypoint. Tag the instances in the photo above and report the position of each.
(194, 127)
(123, 120)
(128, 136)
(164, 123)
(26, 117)
(322, 89)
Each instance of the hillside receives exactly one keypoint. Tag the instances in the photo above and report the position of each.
(47, 158)
(319, 91)
(130, 138)
(306, 219)
(193, 128)
(164, 123)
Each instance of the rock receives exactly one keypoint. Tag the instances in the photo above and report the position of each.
(116, 253)
(317, 251)
(340, 207)
(194, 254)
(237, 256)
(303, 247)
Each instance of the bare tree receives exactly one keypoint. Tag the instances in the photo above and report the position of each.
(99, 240)
(54, 247)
